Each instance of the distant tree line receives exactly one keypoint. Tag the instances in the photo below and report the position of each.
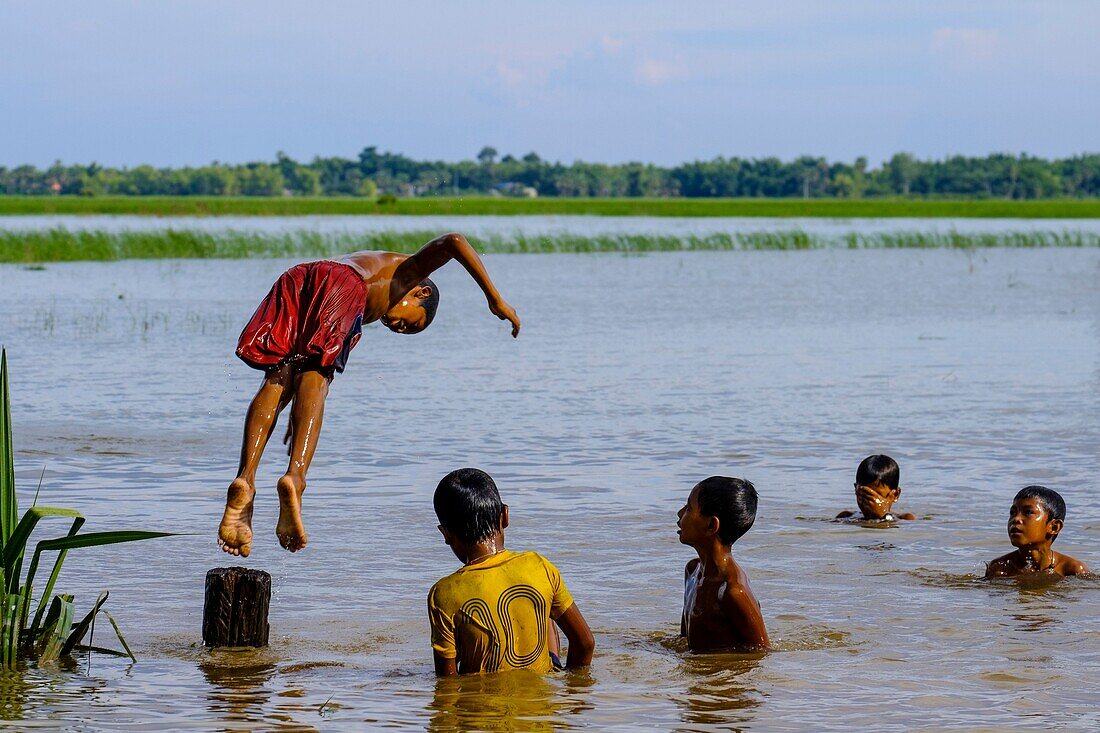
(373, 173)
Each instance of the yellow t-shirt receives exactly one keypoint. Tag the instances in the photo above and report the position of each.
(493, 615)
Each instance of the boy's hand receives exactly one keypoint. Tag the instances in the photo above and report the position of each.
(871, 503)
(505, 312)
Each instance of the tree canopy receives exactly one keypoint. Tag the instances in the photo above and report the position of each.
(999, 175)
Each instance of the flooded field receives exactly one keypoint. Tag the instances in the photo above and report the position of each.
(533, 225)
(633, 378)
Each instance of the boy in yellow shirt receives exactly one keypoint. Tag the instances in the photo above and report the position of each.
(494, 612)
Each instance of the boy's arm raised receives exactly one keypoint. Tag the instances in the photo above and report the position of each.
(438, 252)
(581, 643)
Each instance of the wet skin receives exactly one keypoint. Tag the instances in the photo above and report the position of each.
(1032, 530)
(720, 611)
(875, 502)
(394, 297)
(571, 622)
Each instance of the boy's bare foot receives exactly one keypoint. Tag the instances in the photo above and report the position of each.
(235, 532)
(290, 530)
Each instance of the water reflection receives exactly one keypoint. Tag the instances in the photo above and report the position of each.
(14, 690)
(719, 693)
(506, 701)
(239, 687)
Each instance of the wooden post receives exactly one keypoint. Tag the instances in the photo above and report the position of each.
(235, 611)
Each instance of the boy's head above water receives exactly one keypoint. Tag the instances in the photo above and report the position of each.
(1036, 517)
(413, 313)
(877, 486)
(470, 511)
(1035, 520)
(718, 508)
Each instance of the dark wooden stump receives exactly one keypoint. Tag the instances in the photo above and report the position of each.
(235, 611)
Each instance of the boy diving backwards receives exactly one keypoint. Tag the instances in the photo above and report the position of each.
(302, 333)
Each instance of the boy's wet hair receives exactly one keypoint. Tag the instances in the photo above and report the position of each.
(468, 504)
(878, 469)
(732, 501)
(1050, 500)
(430, 303)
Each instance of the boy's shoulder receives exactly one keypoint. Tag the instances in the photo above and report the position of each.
(1067, 565)
(524, 561)
(1003, 565)
(691, 567)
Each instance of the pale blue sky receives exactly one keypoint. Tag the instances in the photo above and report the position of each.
(174, 83)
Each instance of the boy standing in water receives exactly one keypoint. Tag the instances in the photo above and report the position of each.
(720, 611)
(1034, 521)
(877, 489)
(494, 612)
(302, 333)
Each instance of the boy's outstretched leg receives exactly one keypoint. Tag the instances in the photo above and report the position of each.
(235, 531)
(310, 390)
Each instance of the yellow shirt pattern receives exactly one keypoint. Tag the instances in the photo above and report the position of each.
(493, 615)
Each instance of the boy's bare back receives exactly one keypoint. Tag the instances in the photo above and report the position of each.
(720, 610)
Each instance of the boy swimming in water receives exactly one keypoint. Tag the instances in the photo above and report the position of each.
(720, 611)
(877, 489)
(302, 333)
(1034, 521)
(494, 612)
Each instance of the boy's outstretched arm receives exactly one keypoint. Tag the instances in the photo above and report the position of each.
(581, 643)
(439, 252)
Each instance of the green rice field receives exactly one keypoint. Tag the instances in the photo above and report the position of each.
(63, 245)
(289, 206)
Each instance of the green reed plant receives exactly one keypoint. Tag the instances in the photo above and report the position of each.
(506, 206)
(52, 632)
(62, 245)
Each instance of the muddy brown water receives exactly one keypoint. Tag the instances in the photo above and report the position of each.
(633, 378)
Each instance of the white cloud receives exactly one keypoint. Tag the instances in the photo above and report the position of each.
(611, 45)
(965, 44)
(510, 76)
(655, 72)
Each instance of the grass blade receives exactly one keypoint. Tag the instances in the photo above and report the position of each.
(100, 650)
(118, 633)
(9, 506)
(73, 541)
(47, 592)
(97, 539)
(17, 541)
(54, 634)
(9, 631)
(81, 628)
(38, 490)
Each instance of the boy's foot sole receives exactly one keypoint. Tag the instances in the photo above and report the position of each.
(290, 530)
(235, 531)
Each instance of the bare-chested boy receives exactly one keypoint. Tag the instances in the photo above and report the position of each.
(720, 611)
(877, 489)
(302, 333)
(1034, 521)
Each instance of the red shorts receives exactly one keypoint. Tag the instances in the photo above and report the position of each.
(313, 315)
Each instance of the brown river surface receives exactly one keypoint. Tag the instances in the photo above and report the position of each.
(634, 377)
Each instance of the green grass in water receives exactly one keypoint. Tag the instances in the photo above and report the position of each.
(498, 206)
(62, 245)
